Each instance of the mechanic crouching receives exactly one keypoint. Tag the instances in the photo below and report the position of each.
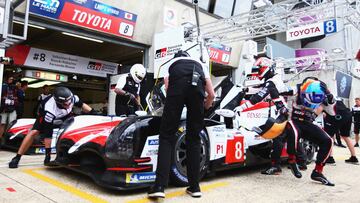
(186, 84)
(52, 112)
(307, 98)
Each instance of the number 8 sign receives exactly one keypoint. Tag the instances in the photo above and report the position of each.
(330, 26)
(235, 150)
(126, 29)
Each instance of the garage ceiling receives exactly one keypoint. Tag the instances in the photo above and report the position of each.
(53, 40)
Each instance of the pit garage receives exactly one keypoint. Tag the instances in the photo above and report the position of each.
(102, 55)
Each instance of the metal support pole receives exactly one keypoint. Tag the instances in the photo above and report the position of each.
(198, 29)
(2, 53)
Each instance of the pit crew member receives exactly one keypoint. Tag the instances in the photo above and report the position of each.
(341, 122)
(264, 68)
(127, 91)
(308, 97)
(52, 112)
(186, 84)
(356, 116)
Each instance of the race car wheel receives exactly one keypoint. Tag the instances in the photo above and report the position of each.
(309, 150)
(178, 168)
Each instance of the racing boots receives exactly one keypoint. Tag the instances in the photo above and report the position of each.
(156, 191)
(302, 166)
(194, 191)
(320, 178)
(352, 160)
(14, 161)
(272, 170)
(295, 170)
(47, 160)
(330, 161)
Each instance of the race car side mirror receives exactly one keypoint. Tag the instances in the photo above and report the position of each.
(225, 113)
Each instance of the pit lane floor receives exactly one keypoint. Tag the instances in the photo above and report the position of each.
(32, 182)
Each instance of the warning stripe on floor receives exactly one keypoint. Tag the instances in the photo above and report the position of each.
(73, 190)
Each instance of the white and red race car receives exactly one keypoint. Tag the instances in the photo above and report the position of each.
(121, 153)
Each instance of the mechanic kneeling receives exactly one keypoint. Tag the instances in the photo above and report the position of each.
(52, 112)
(186, 85)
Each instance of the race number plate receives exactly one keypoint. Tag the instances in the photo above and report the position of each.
(235, 150)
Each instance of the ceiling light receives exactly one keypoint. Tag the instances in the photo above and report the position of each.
(28, 79)
(82, 37)
(337, 50)
(261, 3)
(41, 84)
(30, 25)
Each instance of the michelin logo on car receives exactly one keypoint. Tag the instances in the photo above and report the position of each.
(140, 177)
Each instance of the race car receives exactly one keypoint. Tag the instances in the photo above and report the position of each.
(16, 132)
(121, 153)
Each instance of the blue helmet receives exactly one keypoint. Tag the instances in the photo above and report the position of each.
(311, 94)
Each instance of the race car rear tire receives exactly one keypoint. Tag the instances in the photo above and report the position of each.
(178, 167)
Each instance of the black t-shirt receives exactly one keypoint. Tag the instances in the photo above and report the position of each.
(356, 113)
(342, 113)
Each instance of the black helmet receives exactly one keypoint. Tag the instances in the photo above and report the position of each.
(63, 96)
(181, 53)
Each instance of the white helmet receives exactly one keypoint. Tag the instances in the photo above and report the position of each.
(137, 72)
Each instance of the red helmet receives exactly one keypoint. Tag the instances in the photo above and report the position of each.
(263, 67)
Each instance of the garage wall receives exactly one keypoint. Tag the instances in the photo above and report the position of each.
(150, 15)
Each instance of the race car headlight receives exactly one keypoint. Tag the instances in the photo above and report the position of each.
(121, 142)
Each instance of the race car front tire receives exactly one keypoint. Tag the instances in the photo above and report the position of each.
(178, 167)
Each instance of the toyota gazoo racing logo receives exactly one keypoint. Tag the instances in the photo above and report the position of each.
(95, 66)
(50, 6)
(160, 53)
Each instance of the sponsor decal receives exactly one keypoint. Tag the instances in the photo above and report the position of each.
(49, 6)
(95, 66)
(140, 177)
(312, 30)
(80, 1)
(160, 53)
(87, 13)
(167, 51)
(220, 129)
(153, 142)
(220, 53)
(50, 60)
(152, 152)
(178, 174)
(41, 150)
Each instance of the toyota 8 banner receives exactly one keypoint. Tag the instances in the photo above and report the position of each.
(87, 13)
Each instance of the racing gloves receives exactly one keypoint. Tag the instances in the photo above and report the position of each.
(242, 107)
(329, 97)
(131, 96)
